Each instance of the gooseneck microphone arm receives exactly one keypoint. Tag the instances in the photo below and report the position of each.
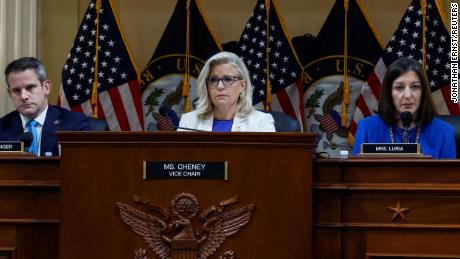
(189, 129)
(406, 119)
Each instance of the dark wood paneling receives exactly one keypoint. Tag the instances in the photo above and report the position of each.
(37, 241)
(29, 207)
(273, 171)
(352, 201)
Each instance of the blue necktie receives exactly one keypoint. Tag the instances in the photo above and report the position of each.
(31, 127)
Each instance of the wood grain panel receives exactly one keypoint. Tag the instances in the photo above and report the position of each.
(29, 207)
(264, 169)
(352, 200)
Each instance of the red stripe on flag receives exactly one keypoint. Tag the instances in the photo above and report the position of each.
(363, 107)
(164, 124)
(119, 109)
(374, 84)
(77, 108)
(100, 111)
(299, 84)
(285, 103)
(328, 123)
(353, 128)
(136, 94)
(360, 105)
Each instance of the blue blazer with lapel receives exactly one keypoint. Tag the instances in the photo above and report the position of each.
(57, 119)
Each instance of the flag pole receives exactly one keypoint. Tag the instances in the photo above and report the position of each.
(267, 57)
(186, 85)
(423, 7)
(96, 63)
(346, 86)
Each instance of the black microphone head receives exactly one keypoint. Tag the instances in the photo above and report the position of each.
(406, 119)
(27, 138)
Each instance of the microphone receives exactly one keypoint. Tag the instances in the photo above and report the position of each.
(27, 138)
(406, 119)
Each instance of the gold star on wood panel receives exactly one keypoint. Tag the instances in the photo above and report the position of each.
(398, 211)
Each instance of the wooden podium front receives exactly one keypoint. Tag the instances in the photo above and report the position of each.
(386, 209)
(29, 206)
(271, 171)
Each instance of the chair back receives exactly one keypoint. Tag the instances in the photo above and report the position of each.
(285, 123)
(454, 121)
(97, 124)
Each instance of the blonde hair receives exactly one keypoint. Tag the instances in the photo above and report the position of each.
(204, 104)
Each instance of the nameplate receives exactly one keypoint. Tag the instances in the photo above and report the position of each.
(388, 148)
(11, 146)
(185, 170)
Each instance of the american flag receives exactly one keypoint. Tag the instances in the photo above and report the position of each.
(330, 122)
(407, 42)
(118, 91)
(284, 70)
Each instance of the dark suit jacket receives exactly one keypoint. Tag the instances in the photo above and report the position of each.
(57, 119)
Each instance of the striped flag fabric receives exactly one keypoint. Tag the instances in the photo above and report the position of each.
(266, 39)
(407, 41)
(330, 122)
(102, 83)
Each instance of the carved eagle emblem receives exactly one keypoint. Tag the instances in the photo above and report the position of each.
(163, 231)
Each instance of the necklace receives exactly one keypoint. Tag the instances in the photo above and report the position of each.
(405, 135)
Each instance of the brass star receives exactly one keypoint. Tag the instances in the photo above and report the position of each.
(398, 211)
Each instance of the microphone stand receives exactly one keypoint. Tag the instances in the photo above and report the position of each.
(406, 119)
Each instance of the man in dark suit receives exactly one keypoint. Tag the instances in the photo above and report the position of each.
(28, 89)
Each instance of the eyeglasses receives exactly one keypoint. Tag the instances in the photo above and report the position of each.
(226, 80)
